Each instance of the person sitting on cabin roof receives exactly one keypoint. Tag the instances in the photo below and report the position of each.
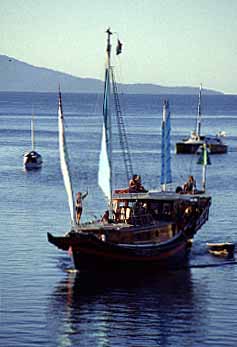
(135, 185)
(190, 185)
(132, 184)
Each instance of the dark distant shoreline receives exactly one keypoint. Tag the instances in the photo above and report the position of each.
(55, 92)
(18, 76)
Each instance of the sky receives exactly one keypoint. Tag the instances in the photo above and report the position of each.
(165, 42)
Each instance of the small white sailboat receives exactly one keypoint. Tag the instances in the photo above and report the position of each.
(32, 160)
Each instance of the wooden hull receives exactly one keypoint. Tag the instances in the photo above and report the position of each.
(156, 244)
(90, 253)
(192, 148)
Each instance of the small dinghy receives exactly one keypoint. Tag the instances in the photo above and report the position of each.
(225, 249)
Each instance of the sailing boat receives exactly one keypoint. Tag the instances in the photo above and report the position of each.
(193, 143)
(32, 160)
(142, 229)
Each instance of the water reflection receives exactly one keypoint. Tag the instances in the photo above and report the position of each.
(127, 310)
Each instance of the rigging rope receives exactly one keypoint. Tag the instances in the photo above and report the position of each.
(122, 131)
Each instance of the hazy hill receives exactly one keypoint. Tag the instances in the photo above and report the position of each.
(22, 77)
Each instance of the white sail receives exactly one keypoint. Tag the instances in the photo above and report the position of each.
(105, 168)
(64, 161)
(104, 173)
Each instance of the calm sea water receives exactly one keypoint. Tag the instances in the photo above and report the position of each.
(42, 301)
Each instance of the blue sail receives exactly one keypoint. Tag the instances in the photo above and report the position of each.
(162, 175)
(168, 147)
(105, 169)
(166, 176)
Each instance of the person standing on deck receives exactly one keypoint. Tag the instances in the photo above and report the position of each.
(79, 197)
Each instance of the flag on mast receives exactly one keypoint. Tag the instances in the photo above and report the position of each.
(119, 47)
(204, 158)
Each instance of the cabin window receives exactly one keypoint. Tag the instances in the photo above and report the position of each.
(122, 211)
(166, 211)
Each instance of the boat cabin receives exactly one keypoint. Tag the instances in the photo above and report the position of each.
(153, 216)
(150, 208)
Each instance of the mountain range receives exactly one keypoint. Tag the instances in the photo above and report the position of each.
(18, 76)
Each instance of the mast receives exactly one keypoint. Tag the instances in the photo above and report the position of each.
(204, 167)
(109, 120)
(108, 49)
(32, 133)
(199, 113)
(105, 173)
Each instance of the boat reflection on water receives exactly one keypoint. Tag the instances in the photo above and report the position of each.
(147, 309)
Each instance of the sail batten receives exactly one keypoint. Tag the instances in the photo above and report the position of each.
(64, 161)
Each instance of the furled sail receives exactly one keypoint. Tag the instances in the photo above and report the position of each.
(105, 174)
(166, 176)
(64, 160)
